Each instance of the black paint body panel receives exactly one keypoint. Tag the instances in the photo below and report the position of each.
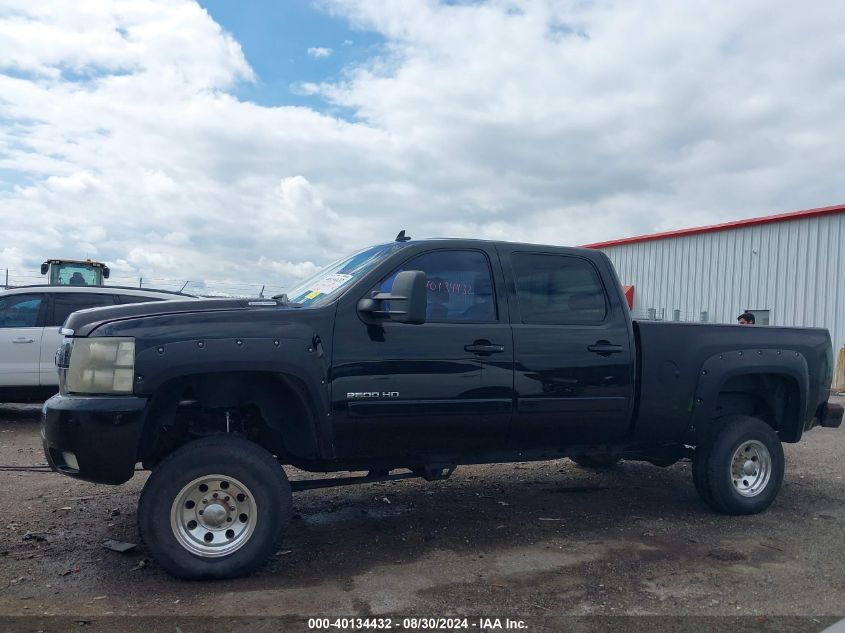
(684, 366)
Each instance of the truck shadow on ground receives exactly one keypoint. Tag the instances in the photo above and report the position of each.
(20, 412)
(354, 530)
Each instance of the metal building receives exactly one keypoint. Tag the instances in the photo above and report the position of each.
(787, 269)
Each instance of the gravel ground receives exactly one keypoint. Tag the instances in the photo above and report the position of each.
(549, 543)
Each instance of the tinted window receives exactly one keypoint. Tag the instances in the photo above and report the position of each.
(558, 289)
(460, 285)
(136, 299)
(66, 302)
(20, 310)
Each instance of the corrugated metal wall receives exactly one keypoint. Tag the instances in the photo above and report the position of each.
(795, 269)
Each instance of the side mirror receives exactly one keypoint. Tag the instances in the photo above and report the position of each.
(44, 268)
(106, 272)
(407, 299)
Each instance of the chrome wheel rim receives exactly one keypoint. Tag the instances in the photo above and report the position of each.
(751, 468)
(213, 516)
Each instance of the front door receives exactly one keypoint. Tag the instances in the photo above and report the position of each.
(574, 361)
(21, 328)
(440, 388)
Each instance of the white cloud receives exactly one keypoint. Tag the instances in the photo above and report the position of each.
(290, 270)
(178, 239)
(75, 184)
(320, 51)
(12, 257)
(144, 258)
(633, 116)
(551, 121)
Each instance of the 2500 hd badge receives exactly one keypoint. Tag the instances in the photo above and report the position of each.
(354, 395)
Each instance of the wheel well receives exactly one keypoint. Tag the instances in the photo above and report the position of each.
(271, 409)
(773, 398)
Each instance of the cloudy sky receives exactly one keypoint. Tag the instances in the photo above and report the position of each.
(256, 141)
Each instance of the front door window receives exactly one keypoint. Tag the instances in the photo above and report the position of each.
(459, 286)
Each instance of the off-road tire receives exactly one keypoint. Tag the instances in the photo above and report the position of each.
(226, 456)
(713, 472)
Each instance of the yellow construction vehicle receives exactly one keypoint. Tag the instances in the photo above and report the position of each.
(74, 272)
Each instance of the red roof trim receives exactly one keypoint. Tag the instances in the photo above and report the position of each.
(780, 217)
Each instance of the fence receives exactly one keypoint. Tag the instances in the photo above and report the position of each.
(661, 314)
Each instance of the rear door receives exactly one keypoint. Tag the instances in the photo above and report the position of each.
(21, 330)
(61, 305)
(573, 354)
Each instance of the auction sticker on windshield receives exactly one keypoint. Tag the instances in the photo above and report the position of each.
(329, 284)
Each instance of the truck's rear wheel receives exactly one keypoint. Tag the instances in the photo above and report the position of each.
(739, 469)
(215, 508)
(597, 461)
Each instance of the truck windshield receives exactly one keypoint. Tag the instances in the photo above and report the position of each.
(331, 281)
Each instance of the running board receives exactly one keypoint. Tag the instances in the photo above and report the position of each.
(429, 473)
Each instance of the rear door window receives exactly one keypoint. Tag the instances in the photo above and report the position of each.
(558, 289)
(66, 302)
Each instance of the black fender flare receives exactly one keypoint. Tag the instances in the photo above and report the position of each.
(300, 359)
(718, 369)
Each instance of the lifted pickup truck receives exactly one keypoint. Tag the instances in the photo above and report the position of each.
(415, 356)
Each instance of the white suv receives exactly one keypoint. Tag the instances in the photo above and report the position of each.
(30, 318)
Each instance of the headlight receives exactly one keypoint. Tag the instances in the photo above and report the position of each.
(101, 365)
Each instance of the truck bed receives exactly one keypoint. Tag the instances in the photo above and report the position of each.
(672, 356)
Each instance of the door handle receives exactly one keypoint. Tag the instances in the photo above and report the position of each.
(604, 348)
(23, 339)
(484, 348)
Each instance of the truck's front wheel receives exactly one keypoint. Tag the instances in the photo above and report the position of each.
(215, 508)
(739, 469)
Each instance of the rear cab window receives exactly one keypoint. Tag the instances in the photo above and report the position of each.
(78, 275)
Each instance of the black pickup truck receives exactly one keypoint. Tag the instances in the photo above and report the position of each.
(416, 357)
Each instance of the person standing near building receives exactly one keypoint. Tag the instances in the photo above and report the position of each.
(746, 318)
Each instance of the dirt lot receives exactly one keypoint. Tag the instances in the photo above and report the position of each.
(537, 541)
